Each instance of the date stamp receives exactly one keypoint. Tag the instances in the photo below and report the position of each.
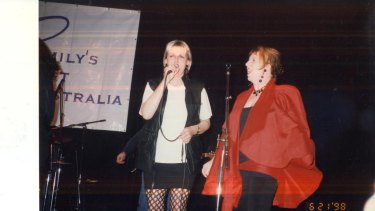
(334, 205)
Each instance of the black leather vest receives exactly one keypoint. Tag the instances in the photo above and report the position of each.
(147, 136)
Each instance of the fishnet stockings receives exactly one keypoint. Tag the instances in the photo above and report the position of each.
(155, 199)
(178, 199)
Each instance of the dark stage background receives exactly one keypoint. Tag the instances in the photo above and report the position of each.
(328, 48)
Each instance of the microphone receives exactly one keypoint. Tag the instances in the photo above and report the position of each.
(63, 73)
(228, 67)
(165, 82)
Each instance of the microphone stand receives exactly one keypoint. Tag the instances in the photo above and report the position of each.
(79, 165)
(55, 171)
(224, 159)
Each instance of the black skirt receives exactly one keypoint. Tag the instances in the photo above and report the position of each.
(169, 175)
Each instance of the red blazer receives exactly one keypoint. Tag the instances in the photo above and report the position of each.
(276, 139)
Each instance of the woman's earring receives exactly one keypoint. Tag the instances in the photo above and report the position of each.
(262, 76)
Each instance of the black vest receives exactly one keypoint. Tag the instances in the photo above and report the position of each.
(147, 136)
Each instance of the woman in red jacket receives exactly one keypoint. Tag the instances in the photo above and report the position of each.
(271, 154)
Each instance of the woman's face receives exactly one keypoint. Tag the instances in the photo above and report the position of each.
(177, 60)
(254, 68)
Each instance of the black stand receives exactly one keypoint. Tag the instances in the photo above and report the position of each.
(224, 163)
(54, 173)
(79, 162)
(50, 196)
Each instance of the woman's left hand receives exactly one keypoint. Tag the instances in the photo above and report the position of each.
(186, 134)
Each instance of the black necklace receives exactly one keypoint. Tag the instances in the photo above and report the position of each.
(257, 92)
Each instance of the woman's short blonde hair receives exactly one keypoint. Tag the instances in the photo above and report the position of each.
(179, 43)
(269, 56)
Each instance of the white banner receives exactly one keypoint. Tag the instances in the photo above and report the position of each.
(95, 47)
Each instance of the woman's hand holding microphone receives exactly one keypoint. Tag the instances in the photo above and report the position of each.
(170, 71)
